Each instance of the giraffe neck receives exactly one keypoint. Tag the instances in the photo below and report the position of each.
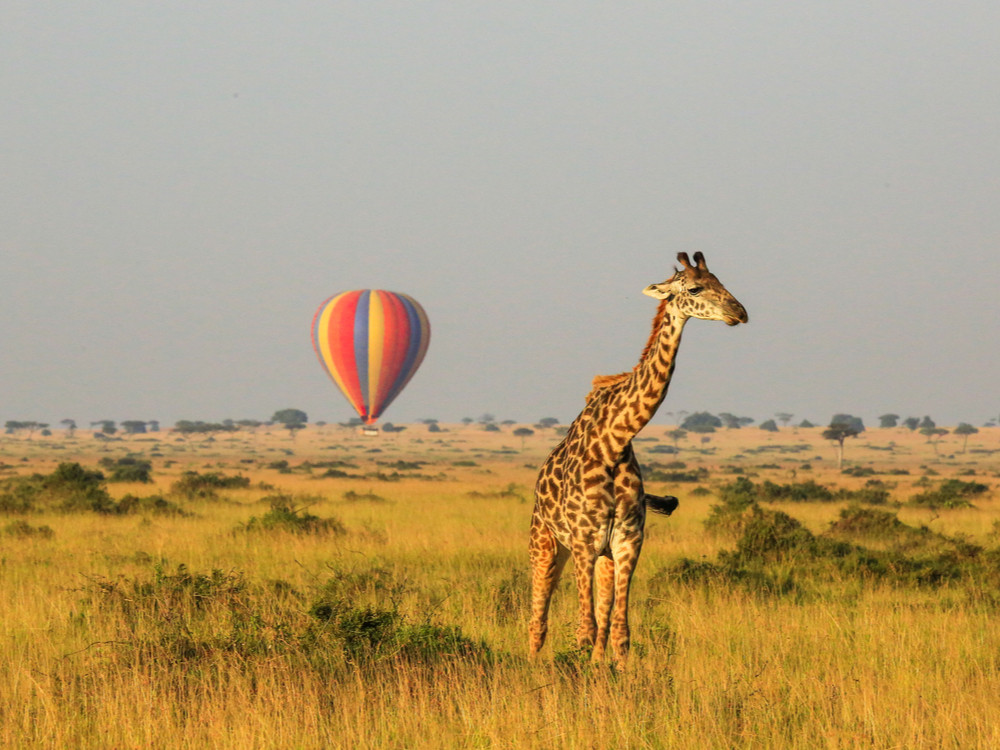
(633, 404)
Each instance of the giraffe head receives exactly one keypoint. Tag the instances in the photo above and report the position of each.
(694, 292)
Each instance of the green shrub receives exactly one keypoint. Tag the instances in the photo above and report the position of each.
(194, 485)
(22, 529)
(284, 517)
(951, 493)
(128, 469)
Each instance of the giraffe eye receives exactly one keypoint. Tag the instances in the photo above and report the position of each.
(695, 290)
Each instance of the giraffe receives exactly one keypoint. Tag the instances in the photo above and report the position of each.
(589, 498)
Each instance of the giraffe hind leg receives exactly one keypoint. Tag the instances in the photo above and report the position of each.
(548, 558)
(604, 597)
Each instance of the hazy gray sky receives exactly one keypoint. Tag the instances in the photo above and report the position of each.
(185, 182)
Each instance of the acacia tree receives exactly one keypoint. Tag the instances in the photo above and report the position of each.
(965, 429)
(888, 420)
(134, 426)
(107, 426)
(933, 435)
(839, 432)
(523, 432)
(701, 421)
(784, 417)
(70, 425)
(13, 426)
(676, 436)
(291, 419)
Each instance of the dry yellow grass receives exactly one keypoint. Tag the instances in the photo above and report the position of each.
(105, 644)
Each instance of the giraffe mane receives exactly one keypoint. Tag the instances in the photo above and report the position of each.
(602, 382)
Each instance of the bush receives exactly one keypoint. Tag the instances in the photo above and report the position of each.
(193, 485)
(154, 504)
(128, 469)
(951, 493)
(369, 634)
(22, 530)
(284, 517)
(69, 488)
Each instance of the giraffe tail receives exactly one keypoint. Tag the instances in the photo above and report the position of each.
(665, 504)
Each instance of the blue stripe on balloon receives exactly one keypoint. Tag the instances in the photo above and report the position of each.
(412, 349)
(361, 346)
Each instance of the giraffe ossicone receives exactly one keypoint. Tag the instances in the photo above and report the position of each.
(589, 499)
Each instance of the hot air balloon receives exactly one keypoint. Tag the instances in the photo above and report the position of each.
(370, 342)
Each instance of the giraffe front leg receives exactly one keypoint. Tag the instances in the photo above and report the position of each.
(604, 580)
(548, 558)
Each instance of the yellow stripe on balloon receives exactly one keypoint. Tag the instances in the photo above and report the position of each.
(376, 345)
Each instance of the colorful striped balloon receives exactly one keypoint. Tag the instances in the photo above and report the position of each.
(370, 342)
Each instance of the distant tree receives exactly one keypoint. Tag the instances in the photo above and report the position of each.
(888, 420)
(197, 427)
(784, 417)
(16, 426)
(965, 429)
(847, 419)
(677, 435)
(352, 423)
(433, 427)
(911, 423)
(250, 424)
(926, 424)
(491, 427)
(390, 427)
(934, 434)
(487, 418)
(523, 432)
(467, 420)
(839, 432)
(153, 425)
(701, 421)
(731, 421)
(428, 421)
(134, 427)
(292, 420)
(107, 426)
(70, 425)
(508, 422)
(806, 424)
(546, 422)
(769, 425)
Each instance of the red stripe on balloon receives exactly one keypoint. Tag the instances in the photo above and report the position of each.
(396, 336)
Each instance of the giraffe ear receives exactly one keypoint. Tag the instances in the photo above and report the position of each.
(685, 261)
(699, 259)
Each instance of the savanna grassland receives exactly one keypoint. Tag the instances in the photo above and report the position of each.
(333, 590)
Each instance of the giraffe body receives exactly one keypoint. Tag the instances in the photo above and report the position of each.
(589, 498)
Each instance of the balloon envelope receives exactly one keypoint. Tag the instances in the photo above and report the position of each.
(370, 342)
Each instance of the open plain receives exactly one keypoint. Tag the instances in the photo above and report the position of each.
(327, 589)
